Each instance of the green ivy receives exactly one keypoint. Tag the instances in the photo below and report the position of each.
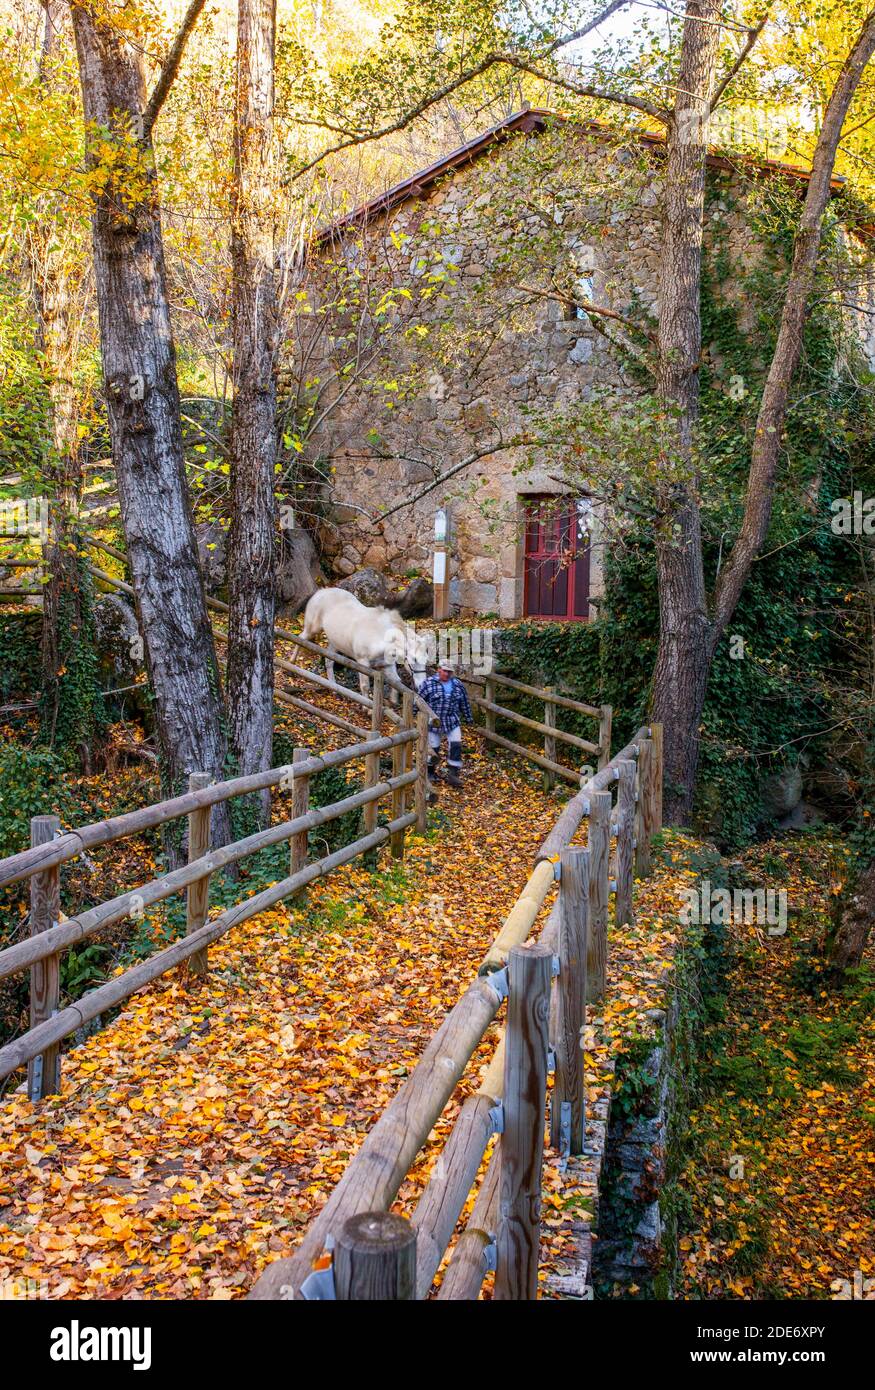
(20, 635)
(777, 702)
(80, 712)
(31, 784)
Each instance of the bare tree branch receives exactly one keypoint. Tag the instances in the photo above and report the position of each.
(491, 60)
(772, 416)
(752, 36)
(586, 89)
(170, 68)
(466, 462)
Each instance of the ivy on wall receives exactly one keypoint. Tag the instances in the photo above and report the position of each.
(783, 668)
(20, 633)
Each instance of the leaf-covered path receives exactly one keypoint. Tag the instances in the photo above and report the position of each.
(199, 1131)
(780, 1180)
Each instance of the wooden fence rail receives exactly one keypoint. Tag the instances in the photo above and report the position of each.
(549, 726)
(73, 842)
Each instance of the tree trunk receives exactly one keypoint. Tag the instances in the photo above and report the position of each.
(854, 915)
(680, 676)
(681, 670)
(253, 453)
(142, 398)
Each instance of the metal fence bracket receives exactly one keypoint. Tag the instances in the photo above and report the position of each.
(498, 980)
(318, 1287)
(565, 1128)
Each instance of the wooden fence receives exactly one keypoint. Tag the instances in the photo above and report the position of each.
(41, 951)
(356, 1248)
(553, 702)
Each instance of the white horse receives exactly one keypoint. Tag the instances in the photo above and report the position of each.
(375, 637)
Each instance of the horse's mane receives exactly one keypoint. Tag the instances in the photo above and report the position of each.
(393, 615)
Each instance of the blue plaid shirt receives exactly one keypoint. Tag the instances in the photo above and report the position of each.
(451, 706)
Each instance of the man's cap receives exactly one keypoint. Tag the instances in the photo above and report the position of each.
(446, 665)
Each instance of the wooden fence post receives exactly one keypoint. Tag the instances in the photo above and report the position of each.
(421, 783)
(522, 1142)
(375, 1258)
(549, 742)
(44, 1072)
(643, 822)
(300, 807)
(625, 838)
(396, 839)
(568, 1111)
(372, 761)
(491, 694)
(403, 764)
(605, 721)
(198, 894)
(657, 775)
(599, 844)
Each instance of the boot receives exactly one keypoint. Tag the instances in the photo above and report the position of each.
(453, 777)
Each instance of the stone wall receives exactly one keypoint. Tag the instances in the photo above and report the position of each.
(483, 359)
(646, 1142)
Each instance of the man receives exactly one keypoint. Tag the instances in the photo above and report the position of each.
(447, 696)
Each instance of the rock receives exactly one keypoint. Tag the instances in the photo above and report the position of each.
(801, 817)
(369, 587)
(413, 472)
(118, 645)
(375, 556)
(116, 639)
(479, 416)
(417, 600)
(298, 573)
(781, 792)
(649, 1228)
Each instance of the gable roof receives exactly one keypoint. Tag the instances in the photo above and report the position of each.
(532, 121)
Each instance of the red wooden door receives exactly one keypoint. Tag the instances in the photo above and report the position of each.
(556, 559)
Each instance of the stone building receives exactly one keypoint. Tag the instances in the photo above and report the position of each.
(451, 339)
